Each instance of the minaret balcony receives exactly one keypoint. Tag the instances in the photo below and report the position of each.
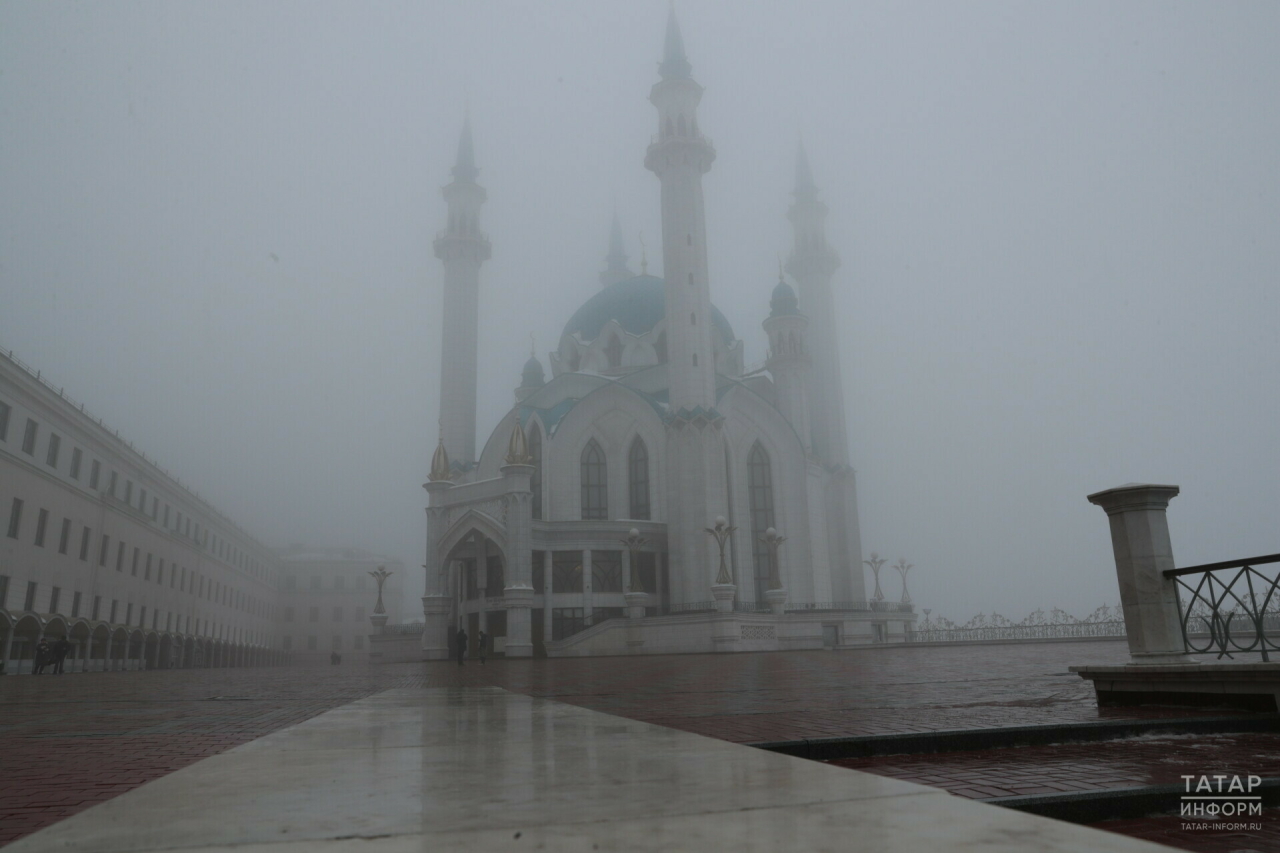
(695, 150)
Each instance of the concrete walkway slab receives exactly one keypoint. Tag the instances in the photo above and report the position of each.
(482, 769)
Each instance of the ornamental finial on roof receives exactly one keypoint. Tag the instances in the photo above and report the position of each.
(441, 472)
(518, 446)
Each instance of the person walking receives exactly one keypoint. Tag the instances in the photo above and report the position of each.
(41, 657)
(462, 645)
(482, 645)
(59, 650)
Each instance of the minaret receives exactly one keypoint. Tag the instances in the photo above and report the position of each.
(616, 261)
(679, 158)
(812, 264)
(696, 491)
(789, 359)
(463, 247)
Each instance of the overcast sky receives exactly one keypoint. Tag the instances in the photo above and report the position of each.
(1058, 226)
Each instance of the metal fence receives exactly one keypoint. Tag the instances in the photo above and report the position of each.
(1230, 607)
(1055, 625)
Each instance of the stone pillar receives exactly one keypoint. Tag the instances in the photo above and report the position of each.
(436, 604)
(547, 568)
(586, 583)
(8, 649)
(518, 592)
(1140, 542)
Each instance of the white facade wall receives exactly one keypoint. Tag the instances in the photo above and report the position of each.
(207, 578)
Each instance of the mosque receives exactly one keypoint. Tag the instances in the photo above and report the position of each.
(653, 496)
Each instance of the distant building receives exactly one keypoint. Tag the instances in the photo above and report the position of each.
(104, 547)
(327, 596)
(651, 422)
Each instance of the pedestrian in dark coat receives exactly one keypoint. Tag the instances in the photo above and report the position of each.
(59, 649)
(42, 657)
(462, 645)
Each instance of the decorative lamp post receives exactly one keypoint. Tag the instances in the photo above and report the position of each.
(636, 597)
(903, 567)
(875, 563)
(775, 594)
(379, 617)
(723, 589)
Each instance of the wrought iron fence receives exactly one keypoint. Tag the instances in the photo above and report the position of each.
(1232, 606)
(414, 628)
(1055, 625)
(872, 606)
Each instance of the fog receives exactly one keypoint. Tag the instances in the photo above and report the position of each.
(1058, 227)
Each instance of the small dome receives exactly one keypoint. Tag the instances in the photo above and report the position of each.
(784, 301)
(532, 375)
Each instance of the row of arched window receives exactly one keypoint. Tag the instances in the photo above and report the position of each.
(594, 479)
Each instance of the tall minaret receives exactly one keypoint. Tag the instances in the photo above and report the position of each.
(616, 261)
(696, 491)
(679, 158)
(812, 263)
(463, 247)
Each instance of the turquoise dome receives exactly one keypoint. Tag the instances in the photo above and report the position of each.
(638, 304)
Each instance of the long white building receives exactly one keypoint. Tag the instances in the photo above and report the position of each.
(105, 548)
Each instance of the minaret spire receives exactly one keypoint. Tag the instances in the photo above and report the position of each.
(465, 167)
(804, 174)
(674, 63)
(616, 261)
(463, 247)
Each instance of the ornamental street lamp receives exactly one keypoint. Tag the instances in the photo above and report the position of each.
(775, 595)
(721, 532)
(634, 542)
(875, 563)
(379, 617)
(903, 567)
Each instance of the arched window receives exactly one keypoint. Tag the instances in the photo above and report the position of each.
(614, 352)
(760, 490)
(595, 499)
(661, 348)
(638, 479)
(535, 481)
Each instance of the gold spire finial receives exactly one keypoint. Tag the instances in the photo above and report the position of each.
(644, 256)
(518, 446)
(441, 471)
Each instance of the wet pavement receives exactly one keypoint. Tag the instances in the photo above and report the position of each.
(71, 741)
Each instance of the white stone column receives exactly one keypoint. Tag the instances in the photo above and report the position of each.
(518, 590)
(436, 604)
(587, 610)
(1143, 552)
(547, 568)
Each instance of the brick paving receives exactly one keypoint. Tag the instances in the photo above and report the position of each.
(1060, 768)
(71, 741)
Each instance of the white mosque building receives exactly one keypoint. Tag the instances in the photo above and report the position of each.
(587, 522)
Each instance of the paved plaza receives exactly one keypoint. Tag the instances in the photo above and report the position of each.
(69, 742)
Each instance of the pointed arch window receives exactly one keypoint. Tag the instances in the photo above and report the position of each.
(614, 352)
(760, 491)
(535, 481)
(595, 499)
(638, 479)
